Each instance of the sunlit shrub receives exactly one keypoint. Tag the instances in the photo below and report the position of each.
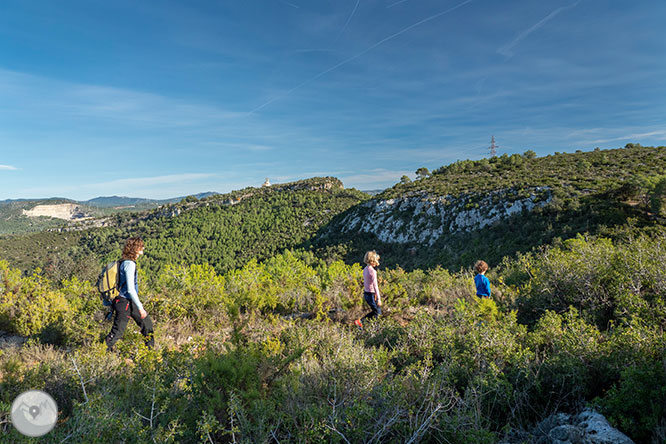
(192, 292)
(33, 307)
(342, 284)
(295, 284)
(604, 281)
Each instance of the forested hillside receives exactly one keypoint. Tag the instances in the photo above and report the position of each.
(489, 208)
(225, 231)
(496, 207)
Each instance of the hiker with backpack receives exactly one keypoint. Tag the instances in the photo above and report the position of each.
(127, 304)
(371, 293)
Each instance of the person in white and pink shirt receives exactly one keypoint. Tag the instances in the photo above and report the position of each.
(371, 292)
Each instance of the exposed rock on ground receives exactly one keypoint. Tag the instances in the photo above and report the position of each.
(10, 341)
(588, 427)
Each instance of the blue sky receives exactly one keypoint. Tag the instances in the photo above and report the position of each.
(162, 98)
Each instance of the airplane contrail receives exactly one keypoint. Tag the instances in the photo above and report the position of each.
(354, 57)
(396, 3)
(350, 16)
(506, 49)
(346, 24)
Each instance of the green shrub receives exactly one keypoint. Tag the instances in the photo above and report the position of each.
(32, 306)
(636, 403)
(194, 292)
(604, 280)
(568, 350)
(342, 284)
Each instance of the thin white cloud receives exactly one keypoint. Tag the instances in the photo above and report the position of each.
(506, 50)
(284, 2)
(257, 147)
(633, 137)
(362, 53)
(569, 139)
(146, 108)
(380, 178)
(240, 146)
(284, 178)
(7, 168)
(157, 180)
(33, 95)
(157, 187)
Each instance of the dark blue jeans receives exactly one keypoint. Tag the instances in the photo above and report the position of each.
(370, 300)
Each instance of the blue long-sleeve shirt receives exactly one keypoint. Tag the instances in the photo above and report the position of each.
(128, 285)
(482, 285)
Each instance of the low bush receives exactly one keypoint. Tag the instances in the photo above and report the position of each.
(440, 366)
(604, 281)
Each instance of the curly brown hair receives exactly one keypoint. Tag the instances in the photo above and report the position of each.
(132, 248)
(480, 266)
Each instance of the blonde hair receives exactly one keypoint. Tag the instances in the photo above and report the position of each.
(371, 257)
(480, 266)
(132, 248)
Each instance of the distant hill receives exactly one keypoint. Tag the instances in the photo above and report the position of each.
(468, 210)
(491, 208)
(19, 216)
(224, 230)
(373, 192)
(137, 202)
(121, 201)
(26, 215)
(49, 200)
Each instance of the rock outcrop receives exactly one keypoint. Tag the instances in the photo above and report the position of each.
(587, 427)
(8, 340)
(425, 218)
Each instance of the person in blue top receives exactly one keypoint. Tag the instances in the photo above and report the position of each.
(127, 303)
(481, 281)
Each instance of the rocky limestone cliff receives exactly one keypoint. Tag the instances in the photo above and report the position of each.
(425, 218)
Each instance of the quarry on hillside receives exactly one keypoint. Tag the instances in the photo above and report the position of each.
(66, 211)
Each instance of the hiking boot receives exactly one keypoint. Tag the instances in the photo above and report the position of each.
(359, 324)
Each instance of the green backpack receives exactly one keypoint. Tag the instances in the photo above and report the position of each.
(107, 282)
